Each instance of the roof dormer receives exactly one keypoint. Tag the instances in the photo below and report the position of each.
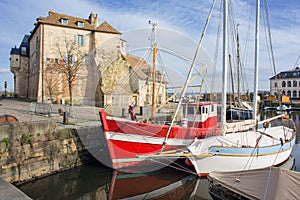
(80, 24)
(64, 21)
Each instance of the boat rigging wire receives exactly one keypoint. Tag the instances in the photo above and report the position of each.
(189, 75)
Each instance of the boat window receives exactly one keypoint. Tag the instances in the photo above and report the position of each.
(200, 110)
(203, 110)
(206, 110)
(212, 108)
(190, 110)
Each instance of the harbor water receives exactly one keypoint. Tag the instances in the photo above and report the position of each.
(95, 181)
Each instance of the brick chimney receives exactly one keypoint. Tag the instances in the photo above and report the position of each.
(93, 18)
(96, 20)
(51, 11)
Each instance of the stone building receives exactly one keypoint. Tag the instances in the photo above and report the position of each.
(105, 74)
(286, 83)
(19, 65)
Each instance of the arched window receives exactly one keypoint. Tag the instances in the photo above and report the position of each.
(289, 84)
(289, 93)
(294, 83)
(294, 93)
(283, 92)
(283, 84)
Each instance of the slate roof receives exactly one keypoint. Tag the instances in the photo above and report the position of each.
(295, 73)
(55, 19)
(24, 43)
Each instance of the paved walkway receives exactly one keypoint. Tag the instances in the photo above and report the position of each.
(8, 191)
(21, 110)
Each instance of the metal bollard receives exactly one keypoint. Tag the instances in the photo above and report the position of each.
(65, 117)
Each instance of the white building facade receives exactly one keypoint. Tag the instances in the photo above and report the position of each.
(286, 83)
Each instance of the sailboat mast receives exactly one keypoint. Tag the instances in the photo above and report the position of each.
(225, 67)
(238, 64)
(256, 58)
(154, 51)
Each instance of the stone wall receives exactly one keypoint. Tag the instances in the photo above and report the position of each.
(31, 150)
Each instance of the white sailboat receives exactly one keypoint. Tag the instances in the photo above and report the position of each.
(242, 150)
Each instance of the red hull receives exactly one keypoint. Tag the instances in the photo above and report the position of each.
(128, 139)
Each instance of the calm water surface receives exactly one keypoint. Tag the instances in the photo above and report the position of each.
(97, 182)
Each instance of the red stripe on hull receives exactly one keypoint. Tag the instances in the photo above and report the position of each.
(119, 149)
(130, 150)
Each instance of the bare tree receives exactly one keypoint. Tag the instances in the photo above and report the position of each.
(71, 60)
(51, 79)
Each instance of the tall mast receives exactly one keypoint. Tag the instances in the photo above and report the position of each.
(256, 58)
(154, 52)
(225, 67)
(238, 63)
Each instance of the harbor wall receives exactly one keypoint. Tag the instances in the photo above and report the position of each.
(32, 150)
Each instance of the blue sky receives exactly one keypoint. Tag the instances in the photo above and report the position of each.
(185, 18)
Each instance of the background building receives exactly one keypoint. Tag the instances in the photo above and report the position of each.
(286, 83)
(105, 74)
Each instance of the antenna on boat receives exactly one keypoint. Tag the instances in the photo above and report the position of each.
(188, 77)
(154, 51)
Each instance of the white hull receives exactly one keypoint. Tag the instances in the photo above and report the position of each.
(240, 151)
(205, 165)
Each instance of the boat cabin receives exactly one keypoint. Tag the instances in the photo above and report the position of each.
(200, 115)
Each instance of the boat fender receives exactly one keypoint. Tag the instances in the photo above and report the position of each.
(188, 162)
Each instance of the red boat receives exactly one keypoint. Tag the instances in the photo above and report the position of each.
(127, 139)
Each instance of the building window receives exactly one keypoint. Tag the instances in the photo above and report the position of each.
(283, 84)
(48, 59)
(294, 83)
(23, 50)
(68, 59)
(80, 24)
(289, 93)
(294, 93)
(64, 21)
(299, 94)
(275, 84)
(83, 60)
(289, 84)
(56, 61)
(283, 92)
(79, 40)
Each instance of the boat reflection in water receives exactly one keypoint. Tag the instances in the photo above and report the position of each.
(162, 184)
(95, 182)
